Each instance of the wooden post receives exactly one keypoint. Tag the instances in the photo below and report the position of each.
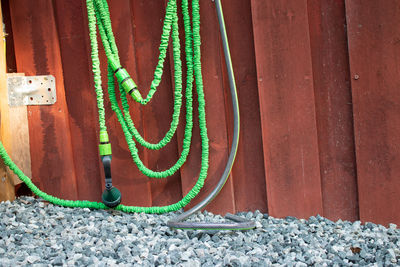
(7, 191)
(14, 133)
(37, 52)
(19, 143)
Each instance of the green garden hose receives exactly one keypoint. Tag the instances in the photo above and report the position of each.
(98, 14)
(192, 41)
(98, 10)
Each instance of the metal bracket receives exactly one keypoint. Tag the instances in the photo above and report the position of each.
(31, 90)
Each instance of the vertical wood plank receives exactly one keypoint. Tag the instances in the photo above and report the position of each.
(7, 190)
(14, 121)
(333, 109)
(285, 84)
(80, 96)
(135, 187)
(18, 147)
(37, 52)
(216, 121)
(10, 53)
(157, 115)
(215, 109)
(248, 171)
(374, 34)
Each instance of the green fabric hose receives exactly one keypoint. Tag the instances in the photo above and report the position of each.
(125, 120)
(98, 13)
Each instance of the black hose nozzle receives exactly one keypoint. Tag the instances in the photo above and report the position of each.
(111, 196)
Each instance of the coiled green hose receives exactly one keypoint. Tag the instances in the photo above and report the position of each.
(193, 65)
(99, 9)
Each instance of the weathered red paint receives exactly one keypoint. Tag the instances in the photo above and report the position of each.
(38, 53)
(285, 85)
(333, 108)
(147, 17)
(248, 170)
(135, 187)
(373, 33)
(292, 71)
(216, 121)
(80, 97)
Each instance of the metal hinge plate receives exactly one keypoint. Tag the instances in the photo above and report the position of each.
(31, 90)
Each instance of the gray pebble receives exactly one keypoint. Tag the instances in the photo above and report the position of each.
(32, 259)
(57, 261)
(32, 233)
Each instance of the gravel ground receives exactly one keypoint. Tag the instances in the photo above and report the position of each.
(41, 234)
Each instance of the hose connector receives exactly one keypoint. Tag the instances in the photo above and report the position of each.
(126, 81)
(111, 196)
(104, 146)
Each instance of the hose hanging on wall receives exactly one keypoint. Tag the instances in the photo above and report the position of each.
(98, 12)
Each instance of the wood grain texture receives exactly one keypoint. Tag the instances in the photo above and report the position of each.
(248, 171)
(285, 84)
(333, 108)
(10, 52)
(216, 121)
(374, 34)
(7, 190)
(298, 153)
(135, 187)
(147, 19)
(38, 53)
(80, 96)
(20, 142)
(19, 147)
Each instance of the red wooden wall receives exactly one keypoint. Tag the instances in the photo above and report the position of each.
(317, 84)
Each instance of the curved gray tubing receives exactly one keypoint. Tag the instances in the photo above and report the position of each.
(239, 223)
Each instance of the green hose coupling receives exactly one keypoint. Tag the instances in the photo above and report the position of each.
(128, 84)
(126, 81)
(105, 146)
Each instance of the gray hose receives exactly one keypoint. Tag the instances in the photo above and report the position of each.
(239, 223)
